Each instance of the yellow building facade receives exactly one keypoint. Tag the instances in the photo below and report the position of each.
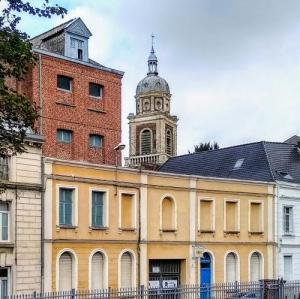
(118, 227)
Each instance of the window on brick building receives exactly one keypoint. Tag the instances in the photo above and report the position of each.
(95, 141)
(64, 82)
(95, 90)
(64, 136)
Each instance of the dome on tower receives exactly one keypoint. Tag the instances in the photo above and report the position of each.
(152, 82)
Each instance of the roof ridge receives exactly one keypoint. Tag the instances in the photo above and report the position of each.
(268, 161)
(53, 28)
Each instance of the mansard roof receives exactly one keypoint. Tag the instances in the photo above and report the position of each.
(259, 161)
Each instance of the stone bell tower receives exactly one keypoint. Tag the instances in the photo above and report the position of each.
(152, 130)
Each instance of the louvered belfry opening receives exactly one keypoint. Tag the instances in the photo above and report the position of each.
(146, 144)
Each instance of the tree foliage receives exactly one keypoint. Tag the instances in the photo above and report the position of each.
(205, 146)
(17, 112)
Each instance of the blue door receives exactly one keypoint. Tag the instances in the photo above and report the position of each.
(205, 276)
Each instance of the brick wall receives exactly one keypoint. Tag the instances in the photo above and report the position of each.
(76, 110)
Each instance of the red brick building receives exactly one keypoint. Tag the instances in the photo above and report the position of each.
(80, 99)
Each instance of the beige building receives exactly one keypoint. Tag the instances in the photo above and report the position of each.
(20, 220)
(118, 227)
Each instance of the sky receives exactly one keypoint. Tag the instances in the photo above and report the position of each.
(233, 66)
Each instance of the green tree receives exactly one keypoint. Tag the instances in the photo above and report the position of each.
(17, 112)
(205, 146)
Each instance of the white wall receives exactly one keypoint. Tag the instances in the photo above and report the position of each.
(289, 195)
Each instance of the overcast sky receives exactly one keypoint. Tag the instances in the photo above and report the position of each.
(233, 66)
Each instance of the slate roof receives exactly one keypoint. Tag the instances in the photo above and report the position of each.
(263, 161)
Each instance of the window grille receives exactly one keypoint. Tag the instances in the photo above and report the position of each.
(169, 142)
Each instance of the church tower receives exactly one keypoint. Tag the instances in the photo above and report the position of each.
(152, 130)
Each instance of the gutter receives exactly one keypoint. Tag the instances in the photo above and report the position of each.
(40, 94)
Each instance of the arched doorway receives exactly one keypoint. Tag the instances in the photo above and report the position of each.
(205, 269)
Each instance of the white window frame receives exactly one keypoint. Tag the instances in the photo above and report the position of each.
(74, 205)
(133, 256)
(237, 201)
(213, 213)
(292, 257)
(262, 263)
(8, 222)
(74, 267)
(174, 215)
(237, 265)
(134, 207)
(105, 267)
(291, 220)
(262, 224)
(105, 210)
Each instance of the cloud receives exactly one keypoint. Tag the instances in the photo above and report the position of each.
(233, 66)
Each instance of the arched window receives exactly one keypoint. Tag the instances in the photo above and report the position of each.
(168, 214)
(97, 271)
(231, 267)
(255, 267)
(146, 142)
(126, 270)
(66, 272)
(169, 142)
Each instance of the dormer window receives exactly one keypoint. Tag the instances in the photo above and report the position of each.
(77, 46)
(80, 54)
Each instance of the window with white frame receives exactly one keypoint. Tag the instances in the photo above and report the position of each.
(4, 282)
(255, 266)
(4, 221)
(97, 271)
(126, 270)
(66, 272)
(288, 220)
(231, 267)
(66, 206)
(288, 267)
(98, 209)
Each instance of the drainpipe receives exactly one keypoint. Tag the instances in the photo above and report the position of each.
(40, 94)
(42, 221)
(139, 234)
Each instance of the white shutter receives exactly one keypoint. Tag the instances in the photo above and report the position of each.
(231, 268)
(126, 270)
(65, 272)
(255, 267)
(97, 271)
(288, 267)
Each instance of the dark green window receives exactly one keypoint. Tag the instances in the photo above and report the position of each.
(65, 206)
(98, 208)
(95, 90)
(64, 82)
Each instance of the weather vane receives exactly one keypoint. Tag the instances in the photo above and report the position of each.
(152, 37)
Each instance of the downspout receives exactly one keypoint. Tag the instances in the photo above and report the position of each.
(42, 221)
(139, 234)
(40, 95)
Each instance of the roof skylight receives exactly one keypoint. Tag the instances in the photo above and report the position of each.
(238, 164)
